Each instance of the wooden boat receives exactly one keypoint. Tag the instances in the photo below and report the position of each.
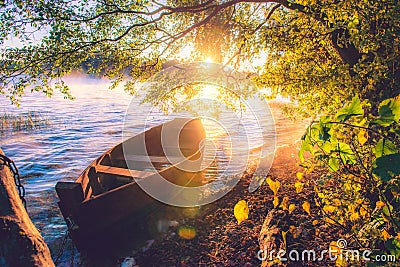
(106, 194)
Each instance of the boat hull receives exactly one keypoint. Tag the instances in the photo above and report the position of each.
(95, 208)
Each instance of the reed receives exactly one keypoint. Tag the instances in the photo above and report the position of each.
(29, 121)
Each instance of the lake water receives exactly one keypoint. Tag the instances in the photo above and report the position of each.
(79, 131)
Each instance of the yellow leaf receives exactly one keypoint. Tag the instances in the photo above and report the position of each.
(363, 212)
(310, 169)
(341, 261)
(285, 203)
(284, 237)
(347, 186)
(299, 187)
(354, 217)
(386, 235)
(295, 231)
(334, 249)
(241, 211)
(352, 208)
(356, 187)
(359, 201)
(292, 207)
(275, 202)
(380, 204)
(336, 202)
(362, 136)
(187, 232)
(329, 208)
(306, 207)
(329, 220)
(300, 176)
(274, 186)
(315, 222)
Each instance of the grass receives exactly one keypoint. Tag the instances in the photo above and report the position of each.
(29, 121)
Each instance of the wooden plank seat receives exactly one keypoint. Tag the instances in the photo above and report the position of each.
(154, 159)
(122, 171)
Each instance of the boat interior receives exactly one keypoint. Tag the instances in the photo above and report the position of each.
(142, 156)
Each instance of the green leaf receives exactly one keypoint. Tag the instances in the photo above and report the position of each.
(387, 210)
(386, 167)
(385, 147)
(306, 145)
(389, 111)
(353, 109)
(314, 131)
(345, 152)
(393, 245)
(325, 129)
(333, 164)
(328, 146)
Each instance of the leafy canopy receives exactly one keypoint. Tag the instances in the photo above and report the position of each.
(318, 52)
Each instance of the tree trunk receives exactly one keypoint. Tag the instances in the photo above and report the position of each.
(348, 52)
(20, 242)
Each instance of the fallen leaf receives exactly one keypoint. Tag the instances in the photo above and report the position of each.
(295, 231)
(386, 235)
(241, 211)
(354, 217)
(292, 207)
(285, 203)
(300, 176)
(337, 202)
(334, 249)
(363, 212)
(299, 187)
(362, 136)
(341, 261)
(306, 207)
(329, 208)
(187, 232)
(275, 202)
(352, 208)
(330, 221)
(274, 186)
(284, 237)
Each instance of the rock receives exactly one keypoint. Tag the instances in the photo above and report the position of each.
(20, 242)
(271, 239)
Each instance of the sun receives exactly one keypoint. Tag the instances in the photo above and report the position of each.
(209, 60)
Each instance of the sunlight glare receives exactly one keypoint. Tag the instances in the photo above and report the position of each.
(186, 52)
(209, 91)
(209, 60)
